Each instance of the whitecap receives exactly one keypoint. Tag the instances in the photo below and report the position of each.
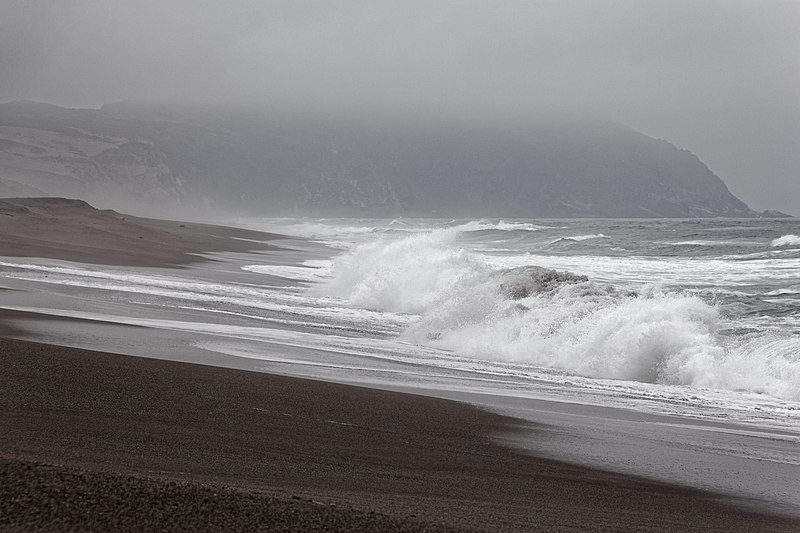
(786, 240)
(579, 238)
(485, 225)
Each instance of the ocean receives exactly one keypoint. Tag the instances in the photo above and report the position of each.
(704, 314)
(692, 324)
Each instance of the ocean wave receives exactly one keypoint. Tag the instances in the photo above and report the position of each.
(579, 238)
(409, 275)
(786, 240)
(485, 225)
(546, 318)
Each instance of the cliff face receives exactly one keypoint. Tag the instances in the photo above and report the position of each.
(303, 164)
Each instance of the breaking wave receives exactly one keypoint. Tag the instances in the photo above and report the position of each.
(558, 320)
(483, 225)
(579, 238)
(786, 240)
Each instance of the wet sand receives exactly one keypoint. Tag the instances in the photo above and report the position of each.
(96, 441)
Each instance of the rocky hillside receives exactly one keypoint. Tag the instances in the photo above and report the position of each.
(293, 163)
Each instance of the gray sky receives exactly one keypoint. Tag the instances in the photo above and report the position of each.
(720, 78)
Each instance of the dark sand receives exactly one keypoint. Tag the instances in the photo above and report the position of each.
(72, 230)
(103, 442)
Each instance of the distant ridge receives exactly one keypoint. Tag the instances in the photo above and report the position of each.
(159, 155)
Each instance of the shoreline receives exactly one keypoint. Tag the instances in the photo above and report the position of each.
(112, 427)
(82, 422)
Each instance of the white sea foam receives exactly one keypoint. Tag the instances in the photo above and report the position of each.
(579, 238)
(409, 275)
(472, 307)
(786, 240)
(306, 272)
(678, 271)
(484, 225)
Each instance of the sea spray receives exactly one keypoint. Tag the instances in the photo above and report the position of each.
(410, 275)
(766, 364)
(558, 320)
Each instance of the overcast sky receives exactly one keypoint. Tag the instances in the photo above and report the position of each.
(720, 78)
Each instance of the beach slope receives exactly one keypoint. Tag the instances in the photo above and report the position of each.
(96, 441)
(72, 230)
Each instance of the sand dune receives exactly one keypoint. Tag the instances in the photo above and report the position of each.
(72, 230)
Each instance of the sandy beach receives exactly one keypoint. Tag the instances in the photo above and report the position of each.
(103, 441)
(98, 441)
(72, 230)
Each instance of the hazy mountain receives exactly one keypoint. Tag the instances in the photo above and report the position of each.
(154, 155)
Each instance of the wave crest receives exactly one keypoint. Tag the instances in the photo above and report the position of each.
(786, 240)
(410, 275)
(579, 238)
(502, 225)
